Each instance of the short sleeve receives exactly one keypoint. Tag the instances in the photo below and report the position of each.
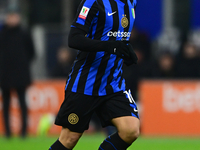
(86, 12)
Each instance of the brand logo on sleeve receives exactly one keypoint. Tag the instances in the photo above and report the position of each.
(84, 12)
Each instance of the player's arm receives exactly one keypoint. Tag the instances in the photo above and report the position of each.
(78, 40)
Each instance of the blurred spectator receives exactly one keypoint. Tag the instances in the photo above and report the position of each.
(194, 38)
(64, 62)
(16, 53)
(169, 40)
(141, 41)
(188, 66)
(164, 67)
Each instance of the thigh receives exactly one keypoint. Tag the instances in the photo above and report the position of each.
(118, 105)
(126, 123)
(76, 111)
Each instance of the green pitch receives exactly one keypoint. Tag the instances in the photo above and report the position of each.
(91, 142)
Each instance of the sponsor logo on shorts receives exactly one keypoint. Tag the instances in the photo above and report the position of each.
(73, 118)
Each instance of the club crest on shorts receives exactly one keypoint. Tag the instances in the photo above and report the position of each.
(124, 21)
(73, 118)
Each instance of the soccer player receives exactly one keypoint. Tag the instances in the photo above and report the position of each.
(100, 32)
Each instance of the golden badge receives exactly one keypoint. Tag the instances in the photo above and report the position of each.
(124, 21)
(73, 118)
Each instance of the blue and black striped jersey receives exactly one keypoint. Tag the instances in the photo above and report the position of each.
(101, 73)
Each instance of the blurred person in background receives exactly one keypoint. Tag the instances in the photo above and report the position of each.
(142, 42)
(189, 63)
(65, 59)
(16, 53)
(165, 66)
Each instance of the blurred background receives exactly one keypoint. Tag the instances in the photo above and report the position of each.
(165, 82)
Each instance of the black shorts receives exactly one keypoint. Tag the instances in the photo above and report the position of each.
(77, 109)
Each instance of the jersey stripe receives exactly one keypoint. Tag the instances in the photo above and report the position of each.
(114, 7)
(115, 17)
(76, 69)
(121, 15)
(120, 77)
(127, 15)
(75, 85)
(89, 86)
(70, 75)
(110, 65)
(100, 24)
(100, 73)
(109, 88)
(85, 72)
(107, 61)
(108, 20)
(114, 82)
(95, 26)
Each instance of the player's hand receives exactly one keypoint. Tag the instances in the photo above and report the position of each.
(124, 50)
(132, 59)
(118, 48)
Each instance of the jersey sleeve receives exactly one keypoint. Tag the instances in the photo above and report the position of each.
(86, 12)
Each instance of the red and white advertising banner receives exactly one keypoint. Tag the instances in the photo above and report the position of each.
(170, 107)
(43, 98)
